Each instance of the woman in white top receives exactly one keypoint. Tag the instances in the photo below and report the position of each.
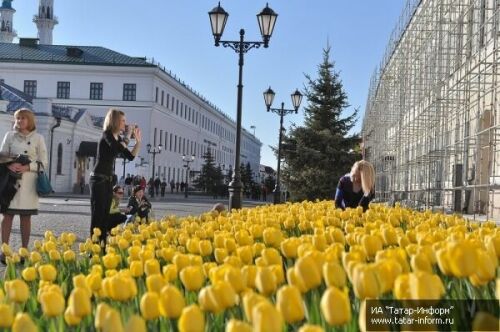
(23, 140)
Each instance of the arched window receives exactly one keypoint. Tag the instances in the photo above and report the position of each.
(59, 158)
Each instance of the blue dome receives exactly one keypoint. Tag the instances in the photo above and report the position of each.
(7, 4)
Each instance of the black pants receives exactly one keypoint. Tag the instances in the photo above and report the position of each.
(115, 219)
(101, 194)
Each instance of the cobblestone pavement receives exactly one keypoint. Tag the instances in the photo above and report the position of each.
(72, 214)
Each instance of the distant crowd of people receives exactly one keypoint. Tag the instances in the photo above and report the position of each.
(153, 187)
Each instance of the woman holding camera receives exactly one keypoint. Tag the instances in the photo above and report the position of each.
(110, 146)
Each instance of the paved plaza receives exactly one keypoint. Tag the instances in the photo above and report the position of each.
(72, 214)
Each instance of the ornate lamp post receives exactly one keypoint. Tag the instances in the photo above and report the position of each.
(218, 18)
(154, 150)
(268, 99)
(187, 160)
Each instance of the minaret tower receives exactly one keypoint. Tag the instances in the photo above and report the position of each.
(45, 21)
(7, 32)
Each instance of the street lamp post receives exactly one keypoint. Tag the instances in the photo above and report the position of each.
(218, 18)
(268, 99)
(187, 160)
(57, 124)
(154, 150)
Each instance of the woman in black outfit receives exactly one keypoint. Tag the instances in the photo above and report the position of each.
(356, 188)
(101, 179)
(138, 204)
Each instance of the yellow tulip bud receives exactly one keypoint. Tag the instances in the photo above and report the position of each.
(271, 256)
(52, 303)
(71, 319)
(35, 257)
(265, 281)
(272, 237)
(420, 262)
(289, 247)
(23, 252)
(29, 274)
(170, 272)
(155, 283)
(192, 319)
(171, 301)
(371, 244)
(425, 285)
(289, 303)
(136, 268)
(152, 266)
(235, 325)
(69, 256)
(334, 275)
(100, 314)
(6, 315)
(112, 321)
(205, 248)
(220, 255)
(266, 317)
(6, 250)
(365, 283)
(17, 290)
(47, 272)
(249, 273)
(462, 258)
(79, 302)
(192, 277)
(207, 300)
(235, 279)
(54, 255)
(135, 324)
(335, 307)
(311, 328)
(23, 323)
(250, 300)
(294, 280)
(150, 306)
(307, 271)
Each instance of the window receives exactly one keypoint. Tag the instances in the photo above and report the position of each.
(129, 91)
(96, 91)
(170, 142)
(30, 88)
(63, 90)
(156, 95)
(59, 158)
(162, 97)
(168, 100)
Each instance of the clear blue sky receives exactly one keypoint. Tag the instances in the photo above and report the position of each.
(178, 35)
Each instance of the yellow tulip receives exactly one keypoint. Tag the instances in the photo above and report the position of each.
(462, 258)
(47, 272)
(71, 319)
(265, 281)
(171, 302)
(230, 245)
(52, 303)
(155, 283)
(112, 321)
(371, 244)
(250, 300)
(486, 267)
(6, 315)
(425, 285)
(235, 325)
(205, 247)
(100, 315)
(170, 272)
(311, 328)
(266, 317)
(79, 302)
(289, 247)
(335, 307)
(23, 323)
(420, 262)
(207, 300)
(220, 255)
(225, 296)
(6, 249)
(69, 256)
(152, 266)
(135, 324)
(294, 280)
(17, 290)
(192, 319)
(289, 303)
(249, 273)
(150, 306)
(334, 275)
(484, 321)
(29, 274)
(245, 254)
(365, 282)
(35, 257)
(235, 279)
(307, 271)
(134, 252)
(54, 255)
(271, 256)
(181, 261)
(192, 277)
(136, 268)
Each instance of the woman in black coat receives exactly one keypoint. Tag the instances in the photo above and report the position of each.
(138, 204)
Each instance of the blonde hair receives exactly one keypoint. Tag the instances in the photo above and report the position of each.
(28, 114)
(367, 173)
(112, 120)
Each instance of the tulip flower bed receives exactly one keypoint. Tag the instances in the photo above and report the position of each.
(292, 267)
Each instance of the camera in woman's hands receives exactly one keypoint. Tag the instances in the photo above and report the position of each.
(130, 130)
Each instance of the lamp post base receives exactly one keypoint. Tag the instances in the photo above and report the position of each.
(235, 195)
(277, 195)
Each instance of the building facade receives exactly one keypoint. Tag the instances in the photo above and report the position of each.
(431, 125)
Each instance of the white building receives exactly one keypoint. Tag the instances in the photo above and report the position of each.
(94, 79)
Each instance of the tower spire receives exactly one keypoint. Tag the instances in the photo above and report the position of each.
(45, 21)
(7, 32)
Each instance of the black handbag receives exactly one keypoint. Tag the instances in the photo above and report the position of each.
(43, 187)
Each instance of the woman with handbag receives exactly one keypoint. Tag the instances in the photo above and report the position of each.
(110, 146)
(23, 140)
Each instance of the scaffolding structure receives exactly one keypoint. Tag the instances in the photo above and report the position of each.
(432, 121)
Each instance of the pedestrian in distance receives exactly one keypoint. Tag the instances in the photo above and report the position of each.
(111, 144)
(172, 186)
(23, 140)
(163, 186)
(356, 188)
